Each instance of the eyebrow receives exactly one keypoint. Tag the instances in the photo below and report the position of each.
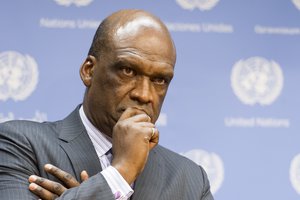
(131, 51)
(163, 72)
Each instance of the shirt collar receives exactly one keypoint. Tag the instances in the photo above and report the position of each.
(101, 142)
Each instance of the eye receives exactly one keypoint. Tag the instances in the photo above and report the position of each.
(160, 81)
(128, 71)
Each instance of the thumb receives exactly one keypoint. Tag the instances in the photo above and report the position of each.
(84, 175)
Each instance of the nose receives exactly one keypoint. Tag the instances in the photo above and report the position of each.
(142, 91)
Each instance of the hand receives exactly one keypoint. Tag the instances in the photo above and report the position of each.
(133, 138)
(47, 189)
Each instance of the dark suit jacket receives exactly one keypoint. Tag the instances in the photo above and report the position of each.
(25, 147)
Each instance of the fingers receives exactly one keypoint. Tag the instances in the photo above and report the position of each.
(45, 188)
(41, 192)
(154, 138)
(144, 124)
(153, 131)
(84, 175)
(136, 115)
(67, 179)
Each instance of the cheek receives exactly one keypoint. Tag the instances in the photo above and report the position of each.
(108, 85)
(160, 95)
(117, 91)
(158, 101)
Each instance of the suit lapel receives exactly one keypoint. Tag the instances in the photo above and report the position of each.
(78, 146)
(149, 185)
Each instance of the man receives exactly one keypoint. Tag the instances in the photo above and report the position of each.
(126, 73)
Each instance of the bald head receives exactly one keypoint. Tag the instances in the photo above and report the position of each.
(126, 24)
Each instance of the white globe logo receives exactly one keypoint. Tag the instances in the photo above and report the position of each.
(200, 4)
(78, 3)
(18, 76)
(295, 173)
(296, 3)
(256, 80)
(212, 164)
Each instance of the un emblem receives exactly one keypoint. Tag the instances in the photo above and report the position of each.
(212, 164)
(296, 3)
(78, 3)
(200, 4)
(256, 80)
(295, 173)
(18, 76)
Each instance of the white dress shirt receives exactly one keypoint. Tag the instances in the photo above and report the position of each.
(103, 144)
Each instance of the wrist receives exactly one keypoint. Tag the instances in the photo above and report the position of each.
(127, 172)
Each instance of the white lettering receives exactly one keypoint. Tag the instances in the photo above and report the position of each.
(57, 23)
(261, 122)
(204, 27)
(239, 122)
(88, 24)
(183, 27)
(276, 30)
(217, 28)
(272, 123)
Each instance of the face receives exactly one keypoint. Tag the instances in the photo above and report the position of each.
(136, 73)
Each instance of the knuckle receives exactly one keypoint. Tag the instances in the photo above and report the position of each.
(54, 170)
(122, 124)
(39, 190)
(67, 177)
(40, 180)
(57, 188)
(126, 125)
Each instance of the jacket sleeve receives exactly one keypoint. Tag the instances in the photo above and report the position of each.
(18, 161)
(95, 187)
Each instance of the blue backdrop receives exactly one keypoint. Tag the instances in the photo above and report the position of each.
(232, 107)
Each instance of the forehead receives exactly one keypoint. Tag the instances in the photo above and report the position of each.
(145, 37)
(147, 53)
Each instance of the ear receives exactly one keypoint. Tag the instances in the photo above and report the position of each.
(87, 69)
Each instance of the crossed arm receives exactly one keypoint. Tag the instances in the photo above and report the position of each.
(18, 160)
(47, 189)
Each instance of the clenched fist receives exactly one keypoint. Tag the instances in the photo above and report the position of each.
(133, 137)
